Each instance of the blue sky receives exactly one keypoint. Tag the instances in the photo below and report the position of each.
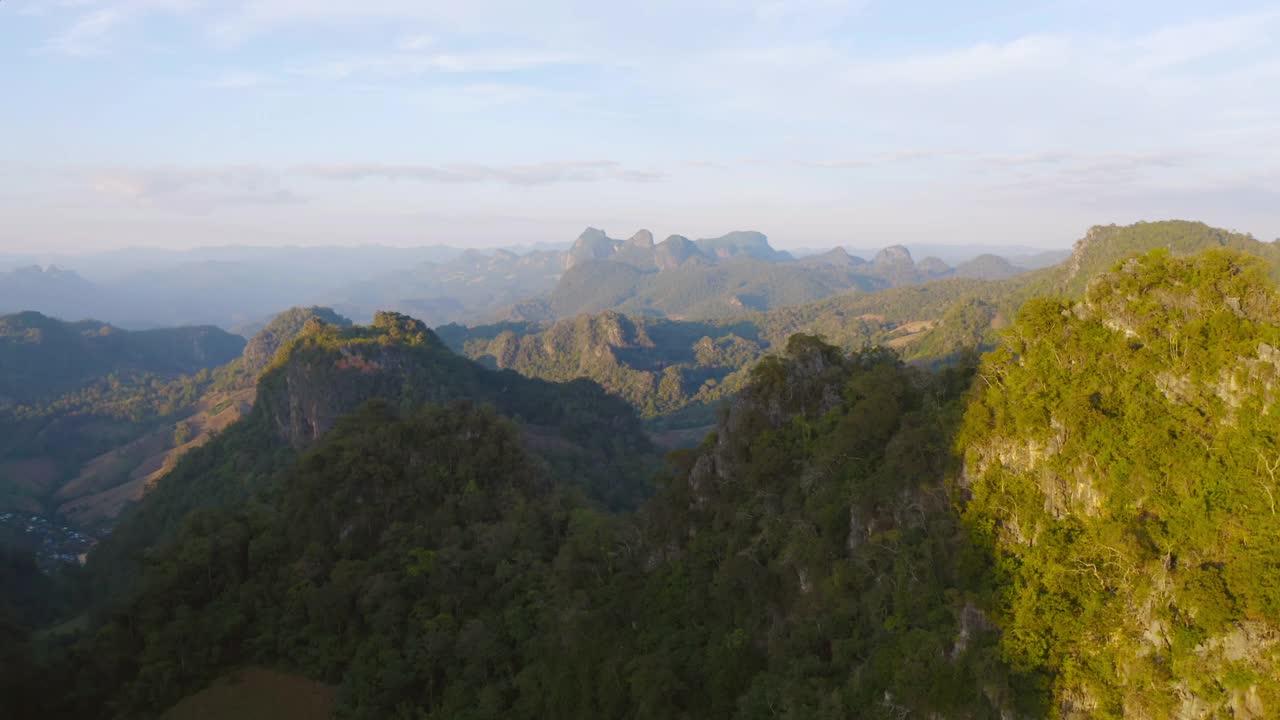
(177, 123)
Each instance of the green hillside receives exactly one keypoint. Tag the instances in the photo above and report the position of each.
(283, 328)
(70, 392)
(114, 410)
(591, 439)
(42, 357)
(1122, 456)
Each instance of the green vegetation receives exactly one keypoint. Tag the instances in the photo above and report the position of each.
(1122, 455)
(28, 599)
(283, 328)
(407, 558)
(668, 369)
(694, 290)
(105, 409)
(70, 392)
(592, 440)
(430, 566)
(1080, 524)
(43, 359)
(657, 366)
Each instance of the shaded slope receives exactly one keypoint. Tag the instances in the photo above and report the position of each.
(42, 357)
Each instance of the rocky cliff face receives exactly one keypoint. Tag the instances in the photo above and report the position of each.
(592, 244)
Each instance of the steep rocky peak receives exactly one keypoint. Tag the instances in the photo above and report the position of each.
(592, 235)
(893, 255)
(592, 244)
(1082, 246)
(642, 239)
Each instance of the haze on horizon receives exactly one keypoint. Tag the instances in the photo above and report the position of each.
(182, 123)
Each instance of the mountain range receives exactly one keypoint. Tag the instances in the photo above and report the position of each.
(669, 368)
(240, 288)
(1077, 524)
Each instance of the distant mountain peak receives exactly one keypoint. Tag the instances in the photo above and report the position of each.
(592, 234)
(934, 266)
(894, 255)
(592, 244)
(837, 256)
(642, 239)
(741, 243)
(675, 251)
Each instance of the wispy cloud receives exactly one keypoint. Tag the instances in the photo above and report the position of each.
(1091, 173)
(87, 35)
(195, 189)
(544, 173)
(95, 24)
(1050, 157)
(404, 63)
(881, 158)
(201, 189)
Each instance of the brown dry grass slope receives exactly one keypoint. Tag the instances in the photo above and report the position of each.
(257, 694)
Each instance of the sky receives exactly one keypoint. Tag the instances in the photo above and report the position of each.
(180, 123)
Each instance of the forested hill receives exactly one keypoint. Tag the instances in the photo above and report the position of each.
(74, 392)
(106, 412)
(1103, 246)
(42, 357)
(1122, 454)
(279, 332)
(591, 439)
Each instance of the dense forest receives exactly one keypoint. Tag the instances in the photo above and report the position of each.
(1077, 523)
